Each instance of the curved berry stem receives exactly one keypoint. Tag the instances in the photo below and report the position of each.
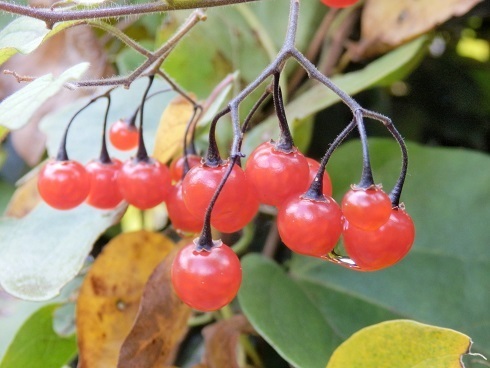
(396, 192)
(62, 154)
(189, 136)
(142, 154)
(315, 191)
(285, 142)
(213, 157)
(104, 153)
(132, 120)
(367, 179)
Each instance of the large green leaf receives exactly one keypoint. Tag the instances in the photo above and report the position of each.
(443, 280)
(397, 63)
(17, 109)
(24, 34)
(43, 251)
(36, 345)
(280, 311)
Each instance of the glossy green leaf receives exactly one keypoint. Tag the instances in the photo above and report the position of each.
(17, 109)
(443, 279)
(23, 35)
(318, 97)
(402, 344)
(281, 312)
(43, 251)
(36, 345)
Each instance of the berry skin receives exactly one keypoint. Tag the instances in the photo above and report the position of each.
(199, 186)
(339, 3)
(230, 223)
(104, 191)
(276, 175)
(144, 184)
(178, 213)
(63, 184)
(123, 135)
(310, 227)
(177, 166)
(368, 209)
(206, 280)
(381, 248)
(327, 183)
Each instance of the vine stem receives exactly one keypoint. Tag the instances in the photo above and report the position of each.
(50, 17)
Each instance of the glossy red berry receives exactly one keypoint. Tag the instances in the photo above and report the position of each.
(144, 184)
(178, 213)
(276, 175)
(104, 191)
(339, 3)
(327, 183)
(232, 222)
(206, 280)
(381, 248)
(310, 227)
(199, 186)
(63, 184)
(368, 209)
(177, 166)
(123, 135)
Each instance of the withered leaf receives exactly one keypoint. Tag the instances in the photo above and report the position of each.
(386, 24)
(221, 340)
(160, 325)
(111, 293)
(25, 198)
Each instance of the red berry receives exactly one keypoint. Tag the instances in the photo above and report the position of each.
(310, 227)
(123, 135)
(339, 3)
(206, 280)
(327, 183)
(232, 222)
(63, 184)
(199, 186)
(177, 166)
(368, 209)
(381, 248)
(276, 175)
(178, 213)
(144, 184)
(104, 191)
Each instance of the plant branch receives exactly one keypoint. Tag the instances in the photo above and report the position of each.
(50, 17)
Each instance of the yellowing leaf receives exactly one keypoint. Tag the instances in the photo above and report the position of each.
(160, 325)
(170, 134)
(25, 198)
(402, 344)
(387, 24)
(111, 293)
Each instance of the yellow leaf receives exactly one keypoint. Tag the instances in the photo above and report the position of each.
(387, 24)
(402, 344)
(25, 198)
(170, 133)
(111, 292)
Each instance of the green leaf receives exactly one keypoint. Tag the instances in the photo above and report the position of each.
(36, 345)
(441, 280)
(282, 314)
(17, 109)
(24, 34)
(402, 344)
(318, 97)
(44, 250)
(84, 139)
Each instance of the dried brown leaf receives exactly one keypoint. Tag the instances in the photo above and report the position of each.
(111, 292)
(170, 134)
(387, 24)
(25, 198)
(160, 325)
(221, 340)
